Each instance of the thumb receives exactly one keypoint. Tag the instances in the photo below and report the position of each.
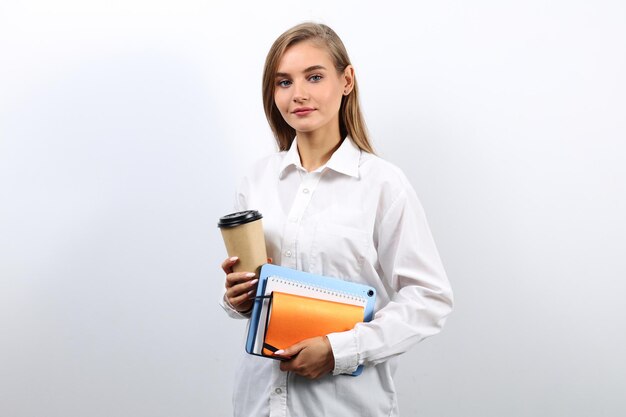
(292, 350)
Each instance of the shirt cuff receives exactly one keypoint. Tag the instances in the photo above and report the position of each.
(345, 351)
(230, 310)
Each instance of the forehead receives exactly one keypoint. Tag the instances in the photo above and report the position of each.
(304, 55)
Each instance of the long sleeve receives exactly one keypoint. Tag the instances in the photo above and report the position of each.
(421, 298)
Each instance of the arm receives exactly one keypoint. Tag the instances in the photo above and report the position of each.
(409, 263)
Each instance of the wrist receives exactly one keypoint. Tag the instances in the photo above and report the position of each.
(330, 355)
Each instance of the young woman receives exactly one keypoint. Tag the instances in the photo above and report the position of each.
(332, 207)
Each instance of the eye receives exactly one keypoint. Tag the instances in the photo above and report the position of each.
(283, 83)
(315, 78)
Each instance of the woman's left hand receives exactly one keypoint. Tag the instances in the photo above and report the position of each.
(312, 358)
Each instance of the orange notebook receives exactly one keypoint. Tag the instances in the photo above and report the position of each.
(293, 318)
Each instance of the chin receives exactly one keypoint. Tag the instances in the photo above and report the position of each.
(304, 129)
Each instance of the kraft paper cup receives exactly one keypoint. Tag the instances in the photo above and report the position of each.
(244, 238)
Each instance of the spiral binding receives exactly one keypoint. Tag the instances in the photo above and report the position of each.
(322, 290)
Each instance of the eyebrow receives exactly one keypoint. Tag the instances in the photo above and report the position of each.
(308, 69)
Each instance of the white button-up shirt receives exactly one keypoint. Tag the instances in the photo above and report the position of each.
(357, 218)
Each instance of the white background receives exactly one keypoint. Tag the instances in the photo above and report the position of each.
(123, 128)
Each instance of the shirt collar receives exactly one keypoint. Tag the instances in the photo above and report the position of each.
(344, 160)
(291, 158)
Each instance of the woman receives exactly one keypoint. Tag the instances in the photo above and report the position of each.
(332, 207)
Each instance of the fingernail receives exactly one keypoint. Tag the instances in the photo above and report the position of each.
(250, 274)
(250, 292)
(254, 281)
(279, 352)
(233, 258)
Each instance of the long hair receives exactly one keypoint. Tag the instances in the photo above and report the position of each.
(351, 121)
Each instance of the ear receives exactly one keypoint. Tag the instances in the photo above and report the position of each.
(348, 77)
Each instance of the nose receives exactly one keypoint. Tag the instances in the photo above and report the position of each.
(300, 93)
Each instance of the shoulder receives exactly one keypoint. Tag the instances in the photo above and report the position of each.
(262, 167)
(260, 175)
(389, 185)
(377, 171)
(268, 162)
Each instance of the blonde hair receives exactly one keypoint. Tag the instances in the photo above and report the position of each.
(351, 121)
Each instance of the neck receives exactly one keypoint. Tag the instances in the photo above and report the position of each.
(316, 148)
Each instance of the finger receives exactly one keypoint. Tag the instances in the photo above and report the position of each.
(236, 278)
(295, 365)
(282, 355)
(227, 265)
(270, 260)
(240, 299)
(285, 366)
(291, 351)
(242, 288)
(242, 292)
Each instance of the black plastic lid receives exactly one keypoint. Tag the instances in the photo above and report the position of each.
(239, 218)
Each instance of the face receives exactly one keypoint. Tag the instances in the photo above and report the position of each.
(308, 89)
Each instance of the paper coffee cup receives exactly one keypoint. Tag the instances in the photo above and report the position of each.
(244, 238)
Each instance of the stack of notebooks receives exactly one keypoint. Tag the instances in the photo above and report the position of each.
(291, 306)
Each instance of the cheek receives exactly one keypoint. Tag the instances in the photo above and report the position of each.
(333, 98)
(281, 102)
(333, 93)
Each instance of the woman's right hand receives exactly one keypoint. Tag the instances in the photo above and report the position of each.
(240, 286)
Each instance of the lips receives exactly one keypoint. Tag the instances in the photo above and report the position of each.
(303, 111)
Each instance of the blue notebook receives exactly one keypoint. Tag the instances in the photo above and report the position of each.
(276, 278)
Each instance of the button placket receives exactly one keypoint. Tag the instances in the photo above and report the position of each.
(278, 395)
(301, 201)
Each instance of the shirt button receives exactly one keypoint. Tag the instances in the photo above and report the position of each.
(305, 191)
(288, 254)
(278, 391)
